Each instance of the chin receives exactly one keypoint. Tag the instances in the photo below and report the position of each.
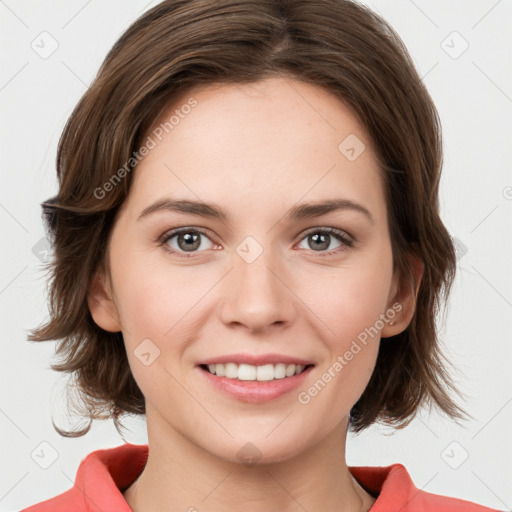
(258, 450)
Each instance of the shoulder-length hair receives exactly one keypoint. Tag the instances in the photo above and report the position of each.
(339, 45)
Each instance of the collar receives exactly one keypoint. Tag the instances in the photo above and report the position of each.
(104, 474)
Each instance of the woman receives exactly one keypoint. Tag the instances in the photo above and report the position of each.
(248, 250)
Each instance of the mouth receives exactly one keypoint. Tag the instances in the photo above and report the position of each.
(255, 383)
(249, 372)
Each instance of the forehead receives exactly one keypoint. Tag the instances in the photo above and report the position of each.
(272, 141)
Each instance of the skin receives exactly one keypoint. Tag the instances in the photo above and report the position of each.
(256, 151)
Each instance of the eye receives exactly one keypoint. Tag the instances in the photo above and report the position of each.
(185, 240)
(320, 240)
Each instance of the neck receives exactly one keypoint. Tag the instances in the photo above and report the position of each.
(183, 476)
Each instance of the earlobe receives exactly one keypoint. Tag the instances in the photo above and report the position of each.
(101, 304)
(403, 304)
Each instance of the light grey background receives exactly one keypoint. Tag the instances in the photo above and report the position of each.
(472, 89)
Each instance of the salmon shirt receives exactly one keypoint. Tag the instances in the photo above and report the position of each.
(105, 474)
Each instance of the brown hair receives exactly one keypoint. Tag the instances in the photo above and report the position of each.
(336, 44)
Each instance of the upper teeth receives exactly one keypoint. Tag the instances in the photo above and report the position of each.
(250, 372)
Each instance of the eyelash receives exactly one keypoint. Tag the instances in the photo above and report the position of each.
(348, 242)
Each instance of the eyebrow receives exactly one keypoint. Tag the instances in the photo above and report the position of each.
(301, 211)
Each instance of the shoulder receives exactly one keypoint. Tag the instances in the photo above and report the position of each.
(397, 491)
(99, 481)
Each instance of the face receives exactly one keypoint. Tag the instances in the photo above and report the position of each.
(267, 275)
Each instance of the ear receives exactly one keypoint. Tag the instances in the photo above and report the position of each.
(403, 299)
(101, 303)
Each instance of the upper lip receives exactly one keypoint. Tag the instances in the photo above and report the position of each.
(256, 360)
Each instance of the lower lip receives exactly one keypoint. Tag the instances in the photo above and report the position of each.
(256, 391)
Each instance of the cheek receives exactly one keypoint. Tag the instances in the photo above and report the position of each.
(157, 305)
(349, 299)
(156, 298)
(350, 309)
(347, 303)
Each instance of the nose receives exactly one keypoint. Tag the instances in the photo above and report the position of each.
(257, 295)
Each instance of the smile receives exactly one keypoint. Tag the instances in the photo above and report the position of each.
(265, 372)
(254, 384)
